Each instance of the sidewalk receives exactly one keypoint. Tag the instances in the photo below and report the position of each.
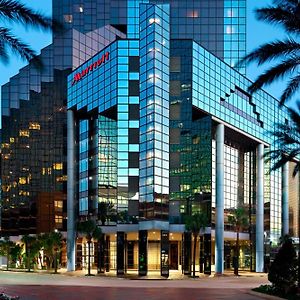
(152, 275)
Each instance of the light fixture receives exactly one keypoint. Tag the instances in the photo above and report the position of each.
(154, 20)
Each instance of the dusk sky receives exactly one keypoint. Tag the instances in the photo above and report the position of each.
(257, 33)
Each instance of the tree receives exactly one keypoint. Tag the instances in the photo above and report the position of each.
(51, 244)
(287, 142)
(32, 248)
(194, 224)
(14, 12)
(5, 249)
(91, 231)
(16, 254)
(105, 209)
(239, 220)
(287, 148)
(283, 270)
(285, 13)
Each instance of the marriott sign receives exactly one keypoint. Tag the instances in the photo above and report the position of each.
(90, 68)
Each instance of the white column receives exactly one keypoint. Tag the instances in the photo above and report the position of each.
(260, 210)
(71, 230)
(219, 247)
(285, 199)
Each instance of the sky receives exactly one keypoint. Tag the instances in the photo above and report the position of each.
(257, 33)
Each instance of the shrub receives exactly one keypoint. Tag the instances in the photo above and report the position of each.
(283, 270)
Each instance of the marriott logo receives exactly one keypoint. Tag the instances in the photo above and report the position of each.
(90, 68)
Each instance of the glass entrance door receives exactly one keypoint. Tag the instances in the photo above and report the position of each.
(173, 255)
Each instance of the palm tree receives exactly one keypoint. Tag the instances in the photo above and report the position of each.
(5, 249)
(91, 231)
(285, 13)
(105, 210)
(239, 220)
(287, 148)
(32, 247)
(51, 243)
(16, 252)
(194, 224)
(287, 142)
(14, 12)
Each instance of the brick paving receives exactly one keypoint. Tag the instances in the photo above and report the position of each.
(32, 286)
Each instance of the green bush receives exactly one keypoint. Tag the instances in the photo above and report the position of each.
(283, 270)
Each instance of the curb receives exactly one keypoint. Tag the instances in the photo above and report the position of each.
(264, 296)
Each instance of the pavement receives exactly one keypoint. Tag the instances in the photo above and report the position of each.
(75, 286)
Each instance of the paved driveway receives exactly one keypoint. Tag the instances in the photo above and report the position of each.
(51, 287)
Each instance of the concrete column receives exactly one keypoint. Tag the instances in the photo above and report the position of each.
(71, 230)
(260, 210)
(219, 248)
(285, 199)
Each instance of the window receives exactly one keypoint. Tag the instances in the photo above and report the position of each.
(175, 111)
(58, 166)
(68, 18)
(134, 136)
(133, 184)
(175, 88)
(133, 159)
(175, 64)
(134, 88)
(174, 136)
(58, 206)
(134, 64)
(34, 126)
(174, 160)
(24, 133)
(134, 111)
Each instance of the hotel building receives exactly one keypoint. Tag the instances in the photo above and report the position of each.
(160, 126)
(138, 121)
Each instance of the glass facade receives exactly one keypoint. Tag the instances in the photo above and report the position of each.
(165, 95)
(154, 111)
(149, 82)
(34, 133)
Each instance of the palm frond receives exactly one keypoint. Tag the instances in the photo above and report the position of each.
(280, 16)
(17, 46)
(17, 12)
(295, 117)
(287, 4)
(290, 90)
(274, 73)
(269, 51)
(287, 142)
(3, 53)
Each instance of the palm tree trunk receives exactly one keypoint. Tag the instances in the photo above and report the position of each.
(237, 254)
(7, 258)
(89, 258)
(194, 256)
(28, 257)
(55, 262)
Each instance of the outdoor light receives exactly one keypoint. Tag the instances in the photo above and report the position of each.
(154, 20)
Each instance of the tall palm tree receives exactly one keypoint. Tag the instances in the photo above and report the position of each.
(194, 224)
(12, 11)
(51, 243)
(286, 53)
(32, 247)
(287, 142)
(239, 220)
(5, 249)
(91, 231)
(287, 148)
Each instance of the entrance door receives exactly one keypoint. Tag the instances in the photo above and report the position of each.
(173, 255)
